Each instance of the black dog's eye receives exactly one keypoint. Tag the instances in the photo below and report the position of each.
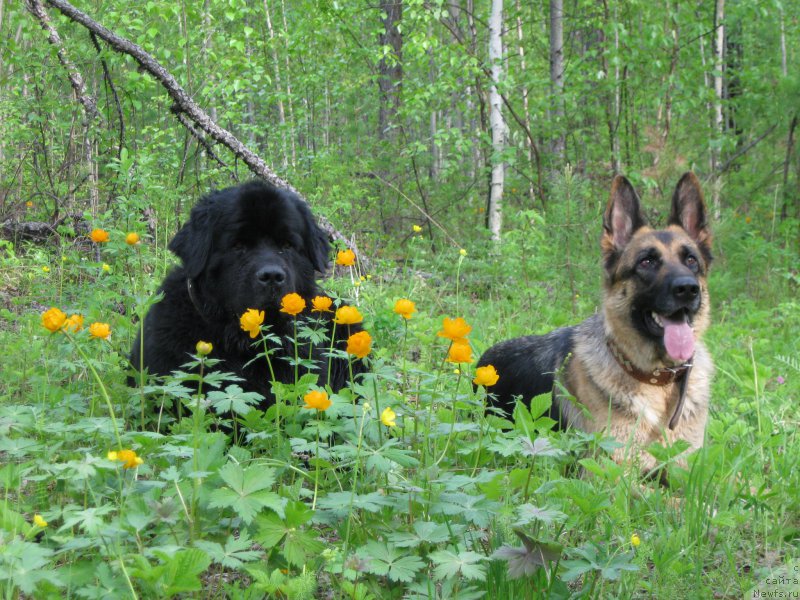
(239, 246)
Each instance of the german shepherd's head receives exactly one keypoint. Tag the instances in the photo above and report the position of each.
(656, 295)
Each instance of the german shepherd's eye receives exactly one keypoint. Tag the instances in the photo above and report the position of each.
(691, 262)
(649, 262)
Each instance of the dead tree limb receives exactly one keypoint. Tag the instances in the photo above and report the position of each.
(184, 103)
(90, 112)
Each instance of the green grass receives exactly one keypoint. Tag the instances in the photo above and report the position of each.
(450, 503)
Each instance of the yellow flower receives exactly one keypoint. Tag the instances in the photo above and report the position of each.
(359, 344)
(454, 329)
(635, 541)
(251, 321)
(132, 239)
(39, 521)
(346, 258)
(347, 315)
(462, 252)
(46, 269)
(99, 236)
(486, 376)
(53, 319)
(74, 323)
(100, 331)
(459, 352)
(416, 228)
(404, 308)
(106, 267)
(112, 455)
(204, 348)
(129, 459)
(321, 304)
(29, 204)
(292, 304)
(388, 417)
(317, 399)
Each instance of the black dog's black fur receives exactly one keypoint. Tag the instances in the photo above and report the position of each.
(243, 247)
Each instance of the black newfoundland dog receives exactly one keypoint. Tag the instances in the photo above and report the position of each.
(243, 247)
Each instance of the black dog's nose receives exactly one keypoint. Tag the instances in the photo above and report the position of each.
(684, 288)
(271, 275)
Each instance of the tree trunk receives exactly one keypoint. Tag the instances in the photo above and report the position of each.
(498, 126)
(278, 87)
(718, 120)
(390, 67)
(557, 77)
(525, 104)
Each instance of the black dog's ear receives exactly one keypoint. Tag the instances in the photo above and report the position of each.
(623, 216)
(317, 245)
(689, 211)
(192, 244)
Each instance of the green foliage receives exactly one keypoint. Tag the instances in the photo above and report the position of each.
(454, 501)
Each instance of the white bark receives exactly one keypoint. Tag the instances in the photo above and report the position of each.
(496, 121)
(719, 123)
(557, 74)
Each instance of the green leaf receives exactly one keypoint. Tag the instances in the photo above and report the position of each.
(384, 560)
(449, 564)
(234, 554)
(425, 532)
(234, 399)
(246, 493)
(298, 545)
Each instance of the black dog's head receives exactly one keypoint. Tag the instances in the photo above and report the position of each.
(656, 279)
(248, 246)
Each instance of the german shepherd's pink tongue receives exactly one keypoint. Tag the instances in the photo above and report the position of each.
(678, 339)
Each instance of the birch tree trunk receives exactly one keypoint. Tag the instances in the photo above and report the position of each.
(718, 120)
(278, 86)
(557, 75)
(498, 126)
(525, 103)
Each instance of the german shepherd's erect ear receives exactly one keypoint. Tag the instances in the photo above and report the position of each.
(623, 217)
(689, 212)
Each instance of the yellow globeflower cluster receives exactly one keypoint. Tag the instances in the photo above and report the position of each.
(293, 304)
(251, 321)
(405, 308)
(54, 319)
(347, 315)
(100, 331)
(345, 258)
(316, 399)
(359, 344)
(128, 458)
(456, 330)
(321, 304)
(99, 236)
(486, 376)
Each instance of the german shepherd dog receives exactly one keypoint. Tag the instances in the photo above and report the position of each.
(638, 370)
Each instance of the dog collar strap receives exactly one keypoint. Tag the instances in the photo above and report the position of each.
(660, 377)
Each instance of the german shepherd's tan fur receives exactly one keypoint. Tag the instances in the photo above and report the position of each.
(655, 309)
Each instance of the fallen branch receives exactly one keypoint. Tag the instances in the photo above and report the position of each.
(184, 104)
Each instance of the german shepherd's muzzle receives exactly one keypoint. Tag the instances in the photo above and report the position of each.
(638, 370)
